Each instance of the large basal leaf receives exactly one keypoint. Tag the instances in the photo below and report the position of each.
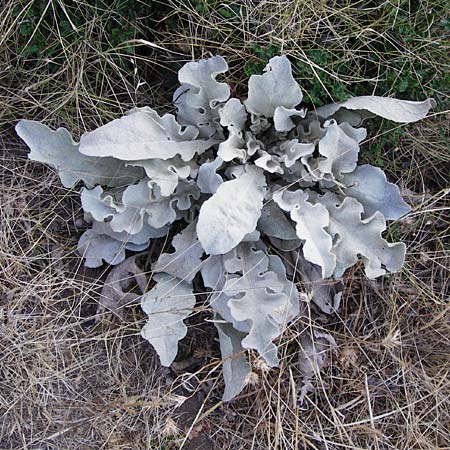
(356, 237)
(370, 187)
(403, 111)
(311, 222)
(214, 276)
(59, 150)
(257, 295)
(236, 368)
(186, 261)
(98, 248)
(232, 212)
(139, 204)
(142, 135)
(276, 87)
(167, 305)
(198, 98)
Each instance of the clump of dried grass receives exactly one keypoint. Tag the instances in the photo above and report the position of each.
(68, 380)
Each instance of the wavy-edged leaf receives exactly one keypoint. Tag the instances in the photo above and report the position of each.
(165, 173)
(340, 151)
(276, 87)
(214, 276)
(186, 261)
(311, 222)
(167, 305)
(282, 117)
(356, 237)
(292, 150)
(257, 296)
(198, 98)
(370, 187)
(142, 135)
(269, 162)
(59, 150)
(232, 212)
(96, 248)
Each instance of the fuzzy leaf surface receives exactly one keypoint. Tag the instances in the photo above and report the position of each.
(59, 150)
(276, 87)
(167, 305)
(232, 212)
(370, 187)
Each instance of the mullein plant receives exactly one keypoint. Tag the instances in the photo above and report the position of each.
(262, 192)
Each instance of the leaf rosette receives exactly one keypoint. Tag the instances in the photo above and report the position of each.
(237, 179)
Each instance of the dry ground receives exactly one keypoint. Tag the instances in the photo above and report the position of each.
(72, 380)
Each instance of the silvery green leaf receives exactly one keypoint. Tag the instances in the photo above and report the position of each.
(282, 117)
(276, 87)
(252, 144)
(99, 204)
(233, 147)
(269, 163)
(403, 111)
(236, 367)
(59, 150)
(208, 180)
(199, 96)
(254, 236)
(167, 305)
(257, 295)
(370, 187)
(135, 241)
(339, 149)
(232, 212)
(186, 261)
(96, 248)
(296, 307)
(233, 115)
(142, 135)
(165, 173)
(311, 222)
(214, 276)
(326, 294)
(354, 237)
(288, 200)
(273, 222)
(292, 150)
(259, 124)
(139, 202)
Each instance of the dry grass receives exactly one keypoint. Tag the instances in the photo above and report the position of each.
(70, 381)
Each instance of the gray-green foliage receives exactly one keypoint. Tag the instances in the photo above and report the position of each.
(241, 176)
